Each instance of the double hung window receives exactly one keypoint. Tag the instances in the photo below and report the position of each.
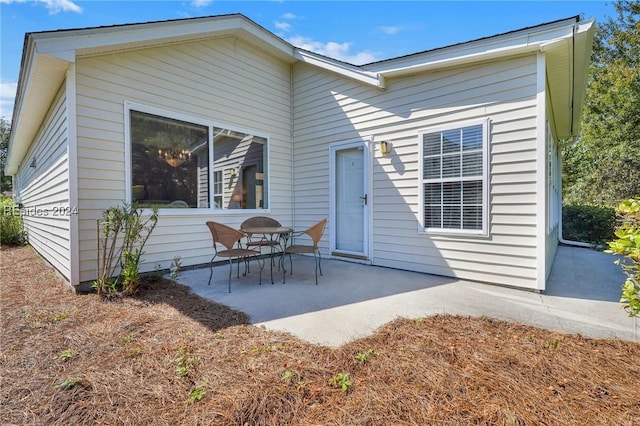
(454, 178)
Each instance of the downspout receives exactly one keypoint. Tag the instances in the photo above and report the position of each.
(573, 72)
(560, 237)
(292, 127)
(570, 242)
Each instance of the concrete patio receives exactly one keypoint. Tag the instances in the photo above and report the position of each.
(353, 300)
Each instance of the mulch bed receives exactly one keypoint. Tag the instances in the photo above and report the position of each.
(169, 357)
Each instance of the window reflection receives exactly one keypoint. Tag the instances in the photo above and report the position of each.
(240, 157)
(169, 161)
(171, 167)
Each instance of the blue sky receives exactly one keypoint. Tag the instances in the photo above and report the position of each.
(356, 31)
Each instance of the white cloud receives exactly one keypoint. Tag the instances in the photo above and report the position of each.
(340, 51)
(54, 6)
(7, 98)
(283, 26)
(201, 3)
(390, 30)
(290, 16)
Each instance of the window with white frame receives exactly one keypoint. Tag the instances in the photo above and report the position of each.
(171, 166)
(454, 178)
(217, 189)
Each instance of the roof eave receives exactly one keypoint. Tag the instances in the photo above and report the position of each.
(39, 80)
(509, 44)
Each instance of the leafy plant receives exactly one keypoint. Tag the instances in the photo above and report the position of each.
(66, 355)
(552, 345)
(176, 267)
(131, 337)
(627, 243)
(342, 381)
(68, 383)
(10, 223)
(365, 355)
(198, 392)
(59, 316)
(287, 375)
(184, 362)
(123, 232)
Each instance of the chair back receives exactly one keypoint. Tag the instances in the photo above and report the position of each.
(223, 234)
(316, 231)
(259, 222)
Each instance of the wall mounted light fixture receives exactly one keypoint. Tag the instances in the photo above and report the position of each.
(232, 172)
(385, 147)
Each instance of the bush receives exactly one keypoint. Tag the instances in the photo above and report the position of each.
(10, 223)
(589, 224)
(123, 234)
(627, 244)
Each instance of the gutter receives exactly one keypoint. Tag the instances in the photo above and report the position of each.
(561, 239)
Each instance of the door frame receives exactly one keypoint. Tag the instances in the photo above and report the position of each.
(365, 143)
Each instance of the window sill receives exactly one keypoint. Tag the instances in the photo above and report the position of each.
(453, 233)
(206, 211)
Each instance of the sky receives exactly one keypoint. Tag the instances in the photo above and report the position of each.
(357, 32)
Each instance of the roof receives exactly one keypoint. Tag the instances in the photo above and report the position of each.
(48, 55)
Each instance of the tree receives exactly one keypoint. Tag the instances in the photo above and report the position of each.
(5, 130)
(603, 166)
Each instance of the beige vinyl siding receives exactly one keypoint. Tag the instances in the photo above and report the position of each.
(225, 81)
(44, 189)
(329, 109)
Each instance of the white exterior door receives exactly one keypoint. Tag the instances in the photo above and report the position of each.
(350, 200)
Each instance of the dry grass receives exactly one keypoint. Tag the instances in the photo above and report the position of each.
(74, 359)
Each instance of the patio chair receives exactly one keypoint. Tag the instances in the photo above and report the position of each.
(230, 237)
(263, 240)
(315, 233)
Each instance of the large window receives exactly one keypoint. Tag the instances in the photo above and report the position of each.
(454, 179)
(171, 166)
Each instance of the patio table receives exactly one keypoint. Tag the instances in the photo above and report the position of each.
(270, 233)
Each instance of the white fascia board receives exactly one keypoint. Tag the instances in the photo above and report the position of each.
(367, 77)
(526, 41)
(102, 40)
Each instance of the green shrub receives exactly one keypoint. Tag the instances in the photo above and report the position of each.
(627, 243)
(10, 223)
(589, 224)
(123, 232)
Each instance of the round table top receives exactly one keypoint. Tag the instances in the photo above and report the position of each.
(267, 230)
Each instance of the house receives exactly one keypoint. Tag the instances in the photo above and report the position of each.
(443, 162)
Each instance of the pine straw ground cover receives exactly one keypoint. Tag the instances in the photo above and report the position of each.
(170, 357)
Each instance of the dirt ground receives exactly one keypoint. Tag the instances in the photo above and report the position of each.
(169, 357)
